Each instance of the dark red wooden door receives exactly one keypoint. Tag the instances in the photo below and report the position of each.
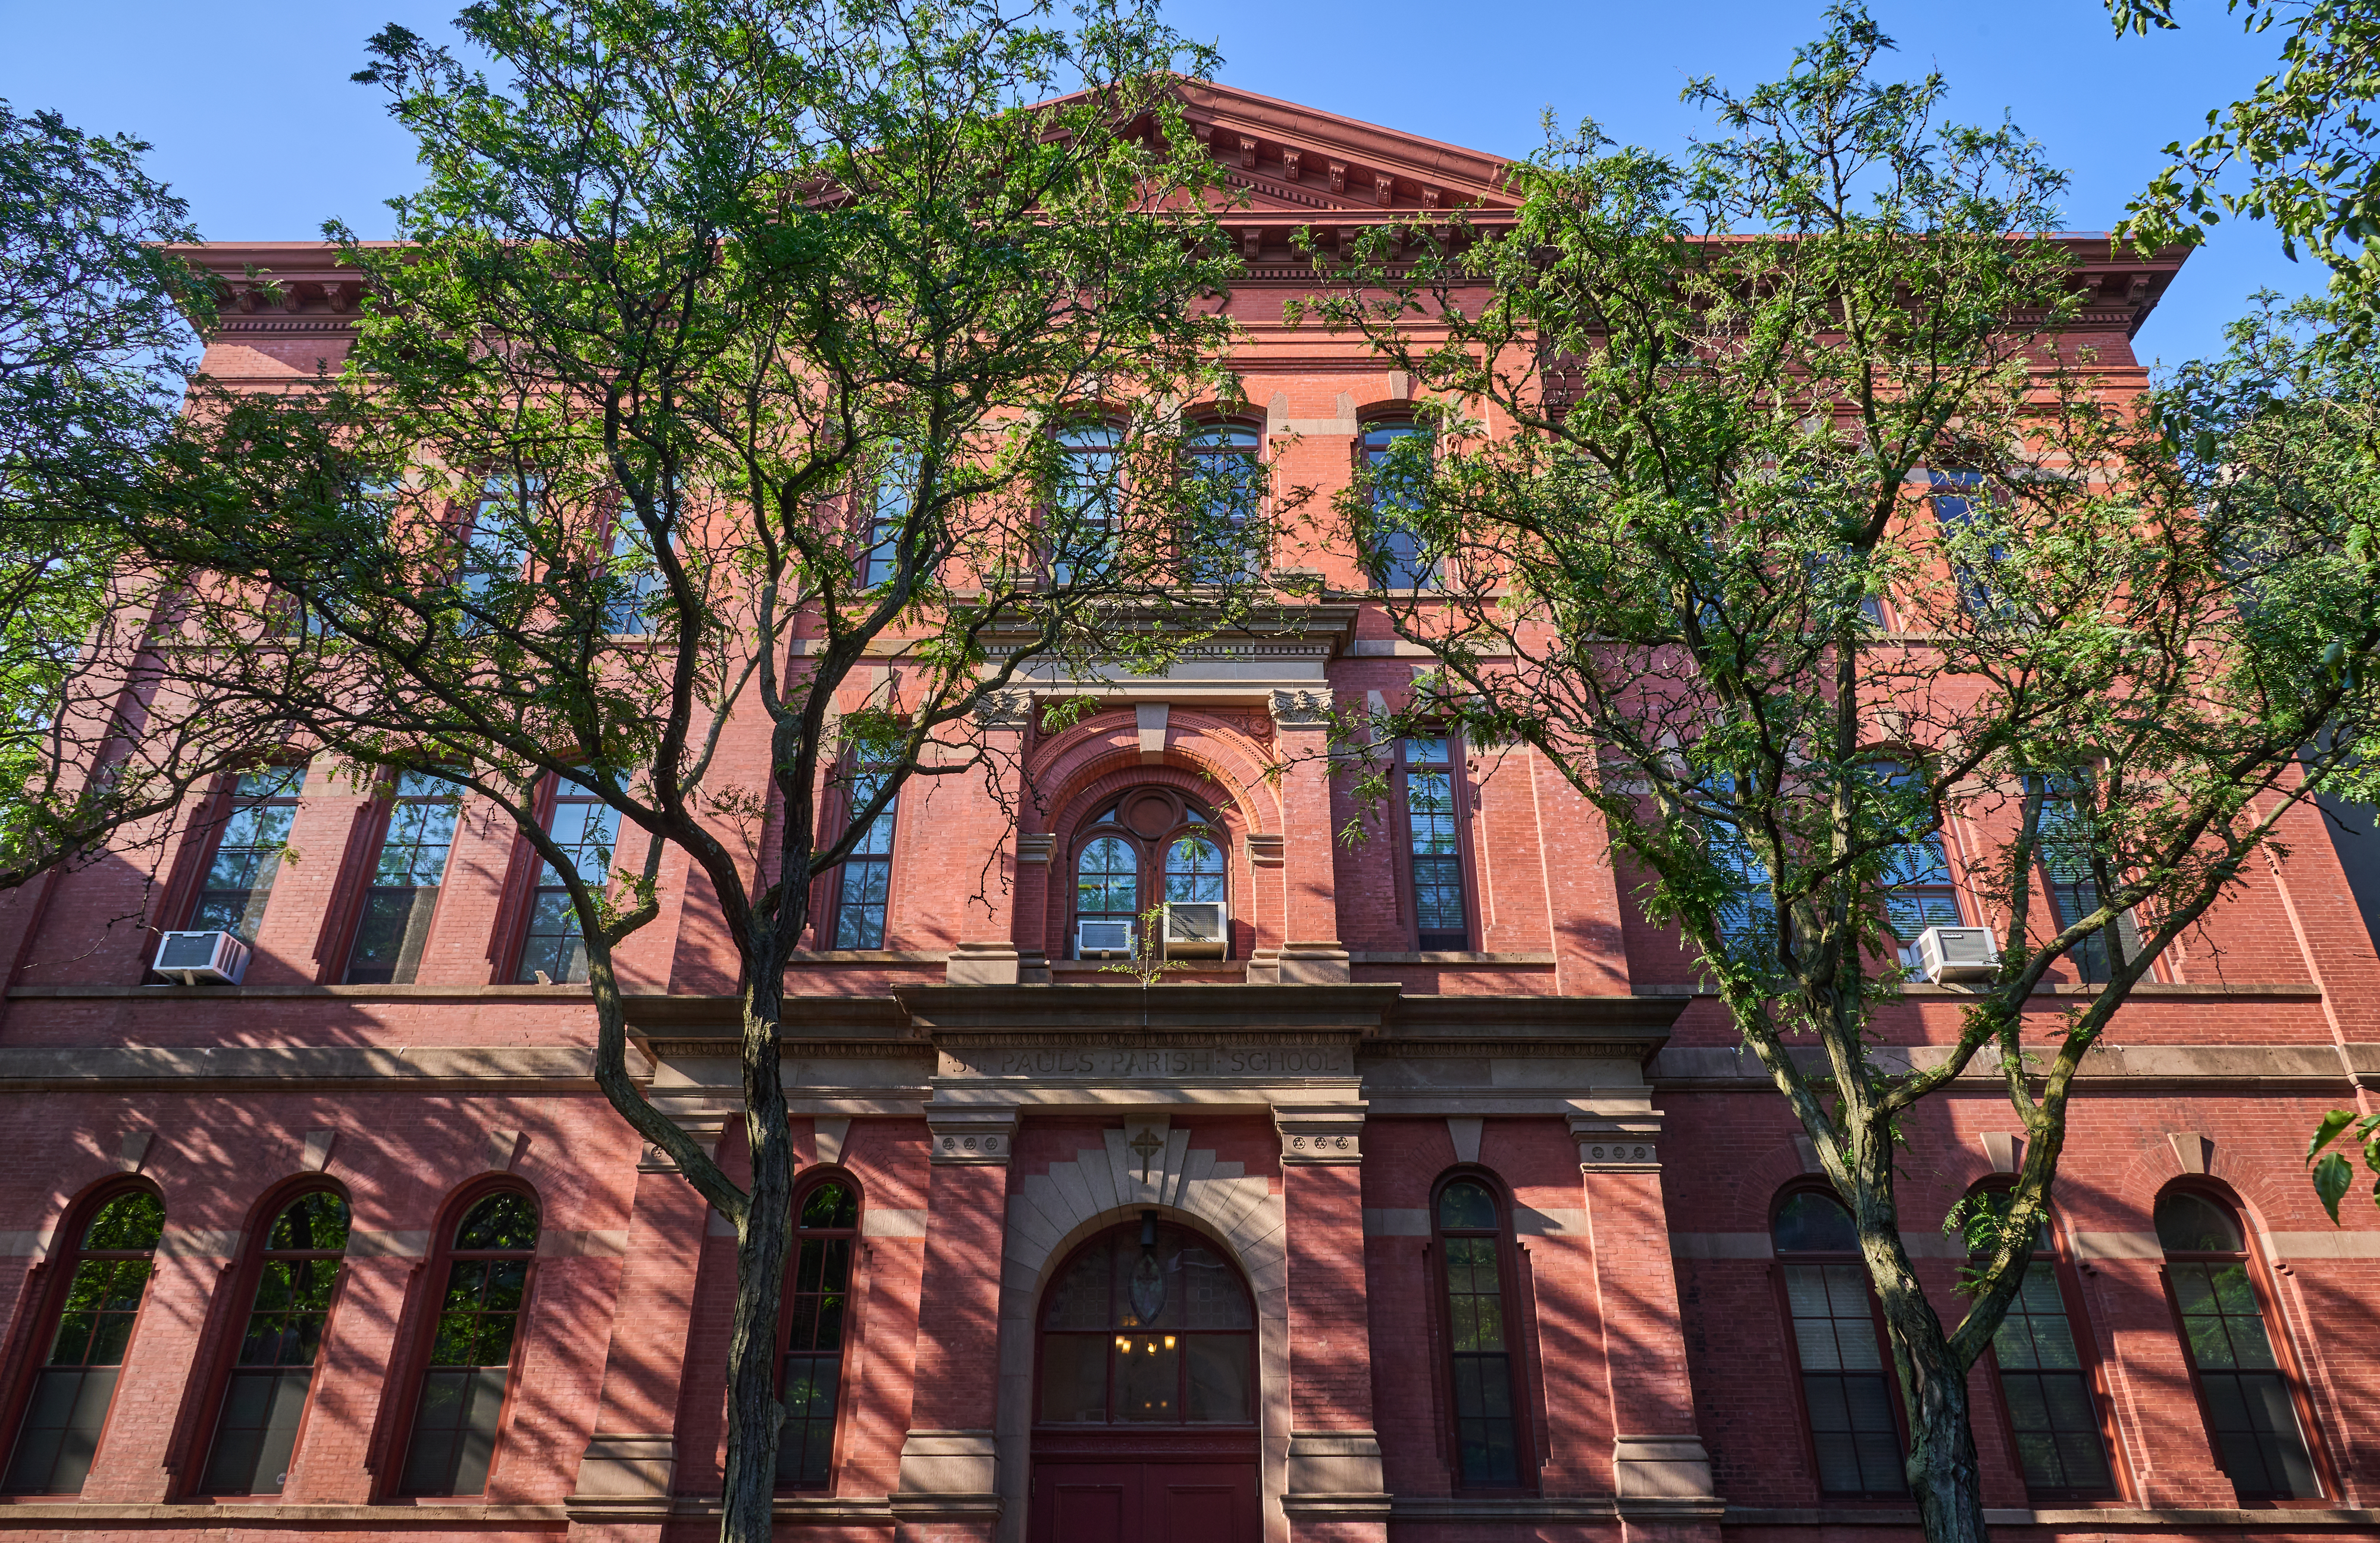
(1144, 1501)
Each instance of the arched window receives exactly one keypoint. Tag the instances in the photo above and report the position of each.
(1148, 1325)
(1485, 1374)
(1396, 484)
(107, 1276)
(2250, 1409)
(2045, 1372)
(1226, 460)
(459, 1413)
(1839, 1346)
(818, 1299)
(247, 851)
(1150, 842)
(264, 1398)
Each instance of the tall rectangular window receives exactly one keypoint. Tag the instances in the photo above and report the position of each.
(1918, 893)
(896, 494)
(636, 578)
(1747, 916)
(2065, 854)
(866, 879)
(247, 850)
(2047, 1391)
(495, 547)
(585, 827)
(1962, 503)
(1396, 486)
(404, 883)
(1085, 512)
(1434, 845)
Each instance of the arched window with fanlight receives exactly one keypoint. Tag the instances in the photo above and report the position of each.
(295, 1274)
(484, 1271)
(2252, 1410)
(817, 1318)
(1838, 1339)
(1152, 843)
(1482, 1335)
(66, 1410)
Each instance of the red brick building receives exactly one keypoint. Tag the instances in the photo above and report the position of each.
(1438, 1207)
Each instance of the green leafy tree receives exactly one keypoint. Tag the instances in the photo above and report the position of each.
(97, 330)
(1804, 535)
(731, 343)
(2296, 150)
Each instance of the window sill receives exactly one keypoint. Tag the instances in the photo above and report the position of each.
(1523, 957)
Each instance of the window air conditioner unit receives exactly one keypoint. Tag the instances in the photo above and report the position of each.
(1956, 953)
(1102, 940)
(197, 956)
(1195, 930)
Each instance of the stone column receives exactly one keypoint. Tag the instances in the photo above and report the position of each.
(1310, 951)
(627, 1473)
(1661, 1470)
(949, 1485)
(1335, 1492)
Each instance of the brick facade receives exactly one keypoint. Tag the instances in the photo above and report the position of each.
(996, 1105)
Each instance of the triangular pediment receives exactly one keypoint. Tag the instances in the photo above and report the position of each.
(1293, 160)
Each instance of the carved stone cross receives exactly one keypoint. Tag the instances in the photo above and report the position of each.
(1147, 1144)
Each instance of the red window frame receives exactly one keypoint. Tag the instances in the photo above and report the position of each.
(1520, 1366)
(52, 1292)
(2275, 1330)
(443, 1255)
(2094, 1370)
(244, 1285)
(790, 1317)
(1780, 1259)
(1119, 1437)
(1465, 858)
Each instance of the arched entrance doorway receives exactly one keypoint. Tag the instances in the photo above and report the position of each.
(1144, 1401)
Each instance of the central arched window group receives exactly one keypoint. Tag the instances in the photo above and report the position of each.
(1150, 848)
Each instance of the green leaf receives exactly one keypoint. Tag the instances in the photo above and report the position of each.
(2332, 1124)
(2331, 1177)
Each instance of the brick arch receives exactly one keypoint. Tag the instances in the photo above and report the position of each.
(1053, 1213)
(1061, 772)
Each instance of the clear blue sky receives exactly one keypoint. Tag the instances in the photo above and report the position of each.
(254, 121)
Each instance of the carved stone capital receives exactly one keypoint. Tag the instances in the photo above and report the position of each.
(1319, 1132)
(1034, 849)
(1265, 850)
(981, 964)
(1617, 1144)
(1009, 710)
(1300, 709)
(1293, 163)
(972, 1135)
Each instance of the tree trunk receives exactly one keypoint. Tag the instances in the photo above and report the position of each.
(1943, 1474)
(754, 1414)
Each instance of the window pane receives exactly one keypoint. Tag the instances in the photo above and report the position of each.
(586, 830)
(1107, 879)
(1148, 1378)
(238, 878)
(1194, 869)
(1075, 1379)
